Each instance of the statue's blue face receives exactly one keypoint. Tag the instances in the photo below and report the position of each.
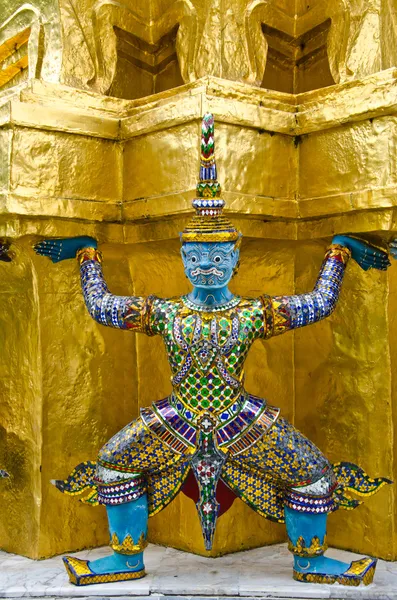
(209, 265)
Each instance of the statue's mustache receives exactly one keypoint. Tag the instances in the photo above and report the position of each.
(211, 271)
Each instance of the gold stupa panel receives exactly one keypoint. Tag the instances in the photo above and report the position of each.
(61, 138)
(134, 49)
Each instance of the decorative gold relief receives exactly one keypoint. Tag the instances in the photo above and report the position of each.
(362, 39)
(316, 548)
(362, 36)
(153, 66)
(128, 546)
(42, 19)
(297, 64)
(130, 50)
(117, 28)
(14, 59)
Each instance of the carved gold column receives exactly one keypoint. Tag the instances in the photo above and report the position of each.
(100, 108)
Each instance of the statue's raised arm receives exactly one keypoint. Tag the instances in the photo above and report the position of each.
(122, 312)
(290, 312)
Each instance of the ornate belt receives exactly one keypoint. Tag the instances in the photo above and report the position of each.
(236, 432)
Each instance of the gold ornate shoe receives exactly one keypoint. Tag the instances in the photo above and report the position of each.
(80, 573)
(360, 571)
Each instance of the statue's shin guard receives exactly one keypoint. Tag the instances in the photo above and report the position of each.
(128, 529)
(127, 510)
(306, 522)
(306, 533)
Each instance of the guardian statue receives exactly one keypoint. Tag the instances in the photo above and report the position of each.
(210, 427)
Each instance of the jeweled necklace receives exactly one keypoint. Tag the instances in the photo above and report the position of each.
(211, 308)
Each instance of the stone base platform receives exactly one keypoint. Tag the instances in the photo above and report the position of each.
(263, 572)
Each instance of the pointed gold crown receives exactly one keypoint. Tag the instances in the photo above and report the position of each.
(209, 224)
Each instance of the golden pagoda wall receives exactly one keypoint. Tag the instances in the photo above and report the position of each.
(133, 49)
(343, 394)
(20, 407)
(84, 152)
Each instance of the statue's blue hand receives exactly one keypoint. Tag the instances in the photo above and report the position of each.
(4, 248)
(364, 253)
(64, 248)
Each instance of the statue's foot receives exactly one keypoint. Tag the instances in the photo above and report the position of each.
(116, 567)
(321, 569)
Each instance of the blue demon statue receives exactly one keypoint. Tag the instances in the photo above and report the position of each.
(211, 430)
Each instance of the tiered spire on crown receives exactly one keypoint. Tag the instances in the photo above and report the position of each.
(209, 224)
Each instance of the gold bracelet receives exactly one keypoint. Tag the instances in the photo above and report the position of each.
(338, 250)
(88, 254)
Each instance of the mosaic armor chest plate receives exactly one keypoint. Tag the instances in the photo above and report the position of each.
(206, 352)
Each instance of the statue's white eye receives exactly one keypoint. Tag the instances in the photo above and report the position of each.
(217, 259)
(193, 259)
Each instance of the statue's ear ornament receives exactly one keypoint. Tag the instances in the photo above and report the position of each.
(209, 224)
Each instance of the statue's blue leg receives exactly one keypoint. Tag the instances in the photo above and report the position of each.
(118, 481)
(128, 533)
(126, 502)
(307, 541)
(309, 487)
(307, 535)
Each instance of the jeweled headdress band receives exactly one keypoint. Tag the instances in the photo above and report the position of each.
(209, 224)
